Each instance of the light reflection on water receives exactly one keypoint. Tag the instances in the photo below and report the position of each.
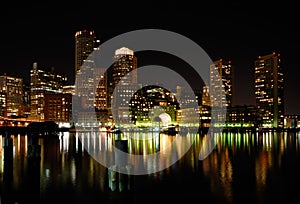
(252, 167)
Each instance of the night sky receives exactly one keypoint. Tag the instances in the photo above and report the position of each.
(236, 30)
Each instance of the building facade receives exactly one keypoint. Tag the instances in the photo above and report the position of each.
(221, 83)
(292, 122)
(221, 90)
(205, 108)
(3, 105)
(85, 43)
(124, 83)
(12, 87)
(58, 108)
(87, 75)
(269, 90)
(101, 89)
(91, 82)
(151, 100)
(42, 83)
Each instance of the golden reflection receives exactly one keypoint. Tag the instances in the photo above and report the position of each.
(26, 144)
(269, 147)
(76, 142)
(1, 155)
(18, 144)
(218, 167)
(264, 151)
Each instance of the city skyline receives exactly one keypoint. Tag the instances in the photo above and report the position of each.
(94, 47)
(46, 105)
(219, 126)
(232, 31)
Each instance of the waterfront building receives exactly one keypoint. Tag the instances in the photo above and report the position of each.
(124, 83)
(205, 108)
(221, 83)
(58, 108)
(221, 89)
(242, 116)
(3, 105)
(12, 87)
(41, 83)
(291, 121)
(149, 102)
(85, 43)
(188, 110)
(269, 89)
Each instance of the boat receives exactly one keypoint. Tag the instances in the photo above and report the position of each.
(169, 130)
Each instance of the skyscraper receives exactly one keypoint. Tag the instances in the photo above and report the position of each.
(269, 89)
(124, 81)
(125, 62)
(86, 73)
(12, 87)
(220, 87)
(41, 83)
(221, 83)
(85, 43)
(90, 91)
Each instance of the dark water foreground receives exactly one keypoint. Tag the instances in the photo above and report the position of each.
(242, 168)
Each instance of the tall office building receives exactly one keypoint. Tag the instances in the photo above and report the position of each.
(12, 87)
(41, 83)
(85, 43)
(125, 61)
(86, 74)
(90, 88)
(221, 84)
(269, 89)
(3, 105)
(124, 81)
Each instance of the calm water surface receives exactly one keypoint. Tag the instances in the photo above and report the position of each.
(242, 168)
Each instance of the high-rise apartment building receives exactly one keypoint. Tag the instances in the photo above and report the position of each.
(269, 89)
